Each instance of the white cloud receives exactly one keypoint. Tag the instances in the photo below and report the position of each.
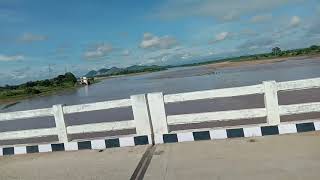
(29, 37)
(295, 21)
(151, 41)
(11, 58)
(186, 56)
(126, 52)
(99, 51)
(259, 43)
(222, 36)
(221, 10)
(261, 18)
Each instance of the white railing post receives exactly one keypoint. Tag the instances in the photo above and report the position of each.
(60, 123)
(271, 102)
(158, 114)
(141, 114)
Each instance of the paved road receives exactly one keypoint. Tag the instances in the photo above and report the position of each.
(282, 157)
(111, 164)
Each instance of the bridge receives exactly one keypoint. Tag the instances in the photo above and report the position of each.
(151, 124)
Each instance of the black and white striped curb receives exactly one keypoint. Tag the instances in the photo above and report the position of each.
(73, 146)
(98, 144)
(239, 132)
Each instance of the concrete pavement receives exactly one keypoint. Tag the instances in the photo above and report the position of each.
(291, 157)
(295, 156)
(111, 164)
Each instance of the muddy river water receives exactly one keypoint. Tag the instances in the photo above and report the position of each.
(178, 80)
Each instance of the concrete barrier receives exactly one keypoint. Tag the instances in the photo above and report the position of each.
(150, 118)
(272, 110)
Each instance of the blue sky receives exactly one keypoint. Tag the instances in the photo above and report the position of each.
(41, 38)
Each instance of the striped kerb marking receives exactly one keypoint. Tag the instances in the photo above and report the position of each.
(218, 134)
(110, 143)
(170, 138)
(20, 150)
(45, 148)
(185, 136)
(57, 147)
(32, 149)
(287, 128)
(305, 127)
(141, 140)
(252, 132)
(126, 141)
(269, 130)
(8, 151)
(233, 133)
(98, 144)
(84, 145)
(165, 138)
(202, 135)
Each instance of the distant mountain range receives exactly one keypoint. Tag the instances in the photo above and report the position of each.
(119, 71)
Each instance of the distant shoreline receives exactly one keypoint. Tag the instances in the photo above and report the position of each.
(99, 78)
(228, 64)
(7, 102)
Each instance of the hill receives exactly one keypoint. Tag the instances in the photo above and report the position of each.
(104, 72)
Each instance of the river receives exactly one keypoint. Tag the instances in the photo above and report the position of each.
(175, 80)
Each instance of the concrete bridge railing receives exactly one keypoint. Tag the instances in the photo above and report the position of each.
(150, 116)
(272, 110)
(141, 121)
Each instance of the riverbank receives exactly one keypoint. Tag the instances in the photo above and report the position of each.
(100, 78)
(196, 70)
(229, 64)
(6, 102)
(216, 67)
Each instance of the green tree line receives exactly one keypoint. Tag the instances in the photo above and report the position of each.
(37, 87)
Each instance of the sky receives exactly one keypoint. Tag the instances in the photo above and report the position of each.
(41, 38)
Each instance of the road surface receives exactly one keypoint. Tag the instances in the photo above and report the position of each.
(293, 157)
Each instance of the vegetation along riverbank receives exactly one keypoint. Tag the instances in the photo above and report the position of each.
(11, 94)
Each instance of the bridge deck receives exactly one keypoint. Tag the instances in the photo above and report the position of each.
(294, 156)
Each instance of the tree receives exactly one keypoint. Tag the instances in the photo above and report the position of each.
(314, 47)
(69, 77)
(45, 83)
(32, 91)
(31, 84)
(276, 51)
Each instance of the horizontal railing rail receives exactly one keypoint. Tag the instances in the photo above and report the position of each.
(97, 106)
(299, 108)
(216, 116)
(138, 103)
(150, 115)
(26, 114)
(211, 94)
(272, 110)
(100, 127)
(23, 134)
(299, 84)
